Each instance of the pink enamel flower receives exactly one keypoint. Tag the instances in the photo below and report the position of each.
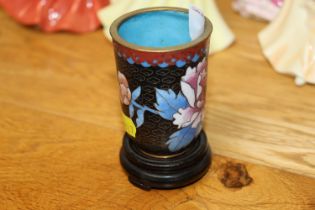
(125, 94)
(193, 85)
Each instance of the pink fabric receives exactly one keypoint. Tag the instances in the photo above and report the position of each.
(261, 9)
(278, 3)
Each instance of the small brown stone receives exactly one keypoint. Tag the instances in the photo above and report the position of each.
(234, 175)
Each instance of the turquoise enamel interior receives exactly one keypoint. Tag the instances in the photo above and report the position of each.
(156, 29)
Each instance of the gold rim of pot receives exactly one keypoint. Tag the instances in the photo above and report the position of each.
(117, 38)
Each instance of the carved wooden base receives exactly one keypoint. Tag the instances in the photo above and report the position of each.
(147, 171)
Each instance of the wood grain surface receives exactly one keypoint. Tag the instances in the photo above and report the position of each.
(254, 113)
(60, 127)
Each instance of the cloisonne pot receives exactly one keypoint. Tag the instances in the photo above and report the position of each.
(162, 92)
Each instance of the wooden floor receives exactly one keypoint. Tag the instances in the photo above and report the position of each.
(60, 126)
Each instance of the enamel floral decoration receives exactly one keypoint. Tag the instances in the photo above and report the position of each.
(125, 94)
(193, 86)
(184, 109)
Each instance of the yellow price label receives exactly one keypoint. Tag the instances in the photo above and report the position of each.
(129, 126)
